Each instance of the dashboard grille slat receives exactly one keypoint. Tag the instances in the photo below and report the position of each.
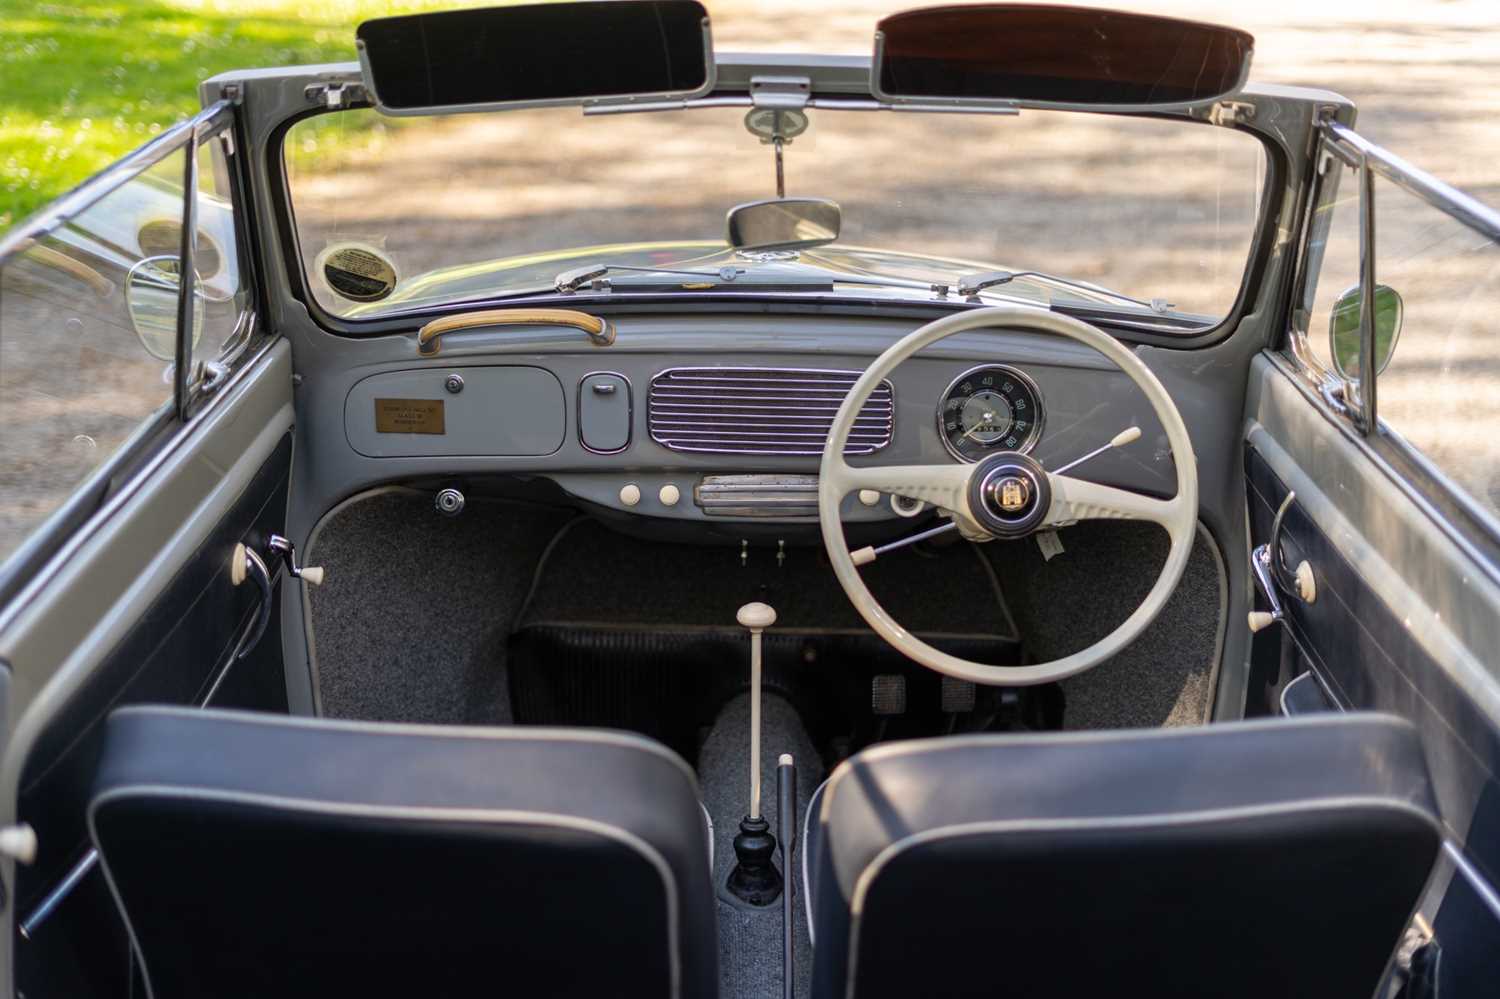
(772, 411)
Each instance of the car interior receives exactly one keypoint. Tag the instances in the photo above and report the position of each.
(715, 627)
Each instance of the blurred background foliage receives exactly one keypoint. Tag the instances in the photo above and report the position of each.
(82, 82)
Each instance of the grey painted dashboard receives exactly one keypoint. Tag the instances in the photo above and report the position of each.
(517, 413)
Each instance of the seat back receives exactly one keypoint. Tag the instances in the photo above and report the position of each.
(1245, 860)
(257, 855)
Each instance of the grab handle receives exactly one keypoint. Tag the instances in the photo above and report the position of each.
(600, 331)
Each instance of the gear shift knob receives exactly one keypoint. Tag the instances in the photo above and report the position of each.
(754, 878)
(756, 616)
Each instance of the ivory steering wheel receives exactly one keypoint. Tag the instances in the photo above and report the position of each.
(1008, 495)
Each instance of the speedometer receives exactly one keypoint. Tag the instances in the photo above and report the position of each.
(990, 409)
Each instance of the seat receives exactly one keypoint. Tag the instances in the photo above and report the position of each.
(1255, 859)
(258, 855)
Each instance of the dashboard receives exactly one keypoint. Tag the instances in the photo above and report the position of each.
(682, 424)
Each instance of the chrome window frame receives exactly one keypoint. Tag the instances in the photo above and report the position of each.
(1356, 400)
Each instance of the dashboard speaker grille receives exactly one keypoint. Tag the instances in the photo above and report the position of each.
(762, 410)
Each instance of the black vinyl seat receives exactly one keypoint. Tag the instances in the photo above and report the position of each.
(259, 855)
(1242, 861)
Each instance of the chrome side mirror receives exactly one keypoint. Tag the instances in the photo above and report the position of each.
(1343, 329)
(151, 291)
(783, 224)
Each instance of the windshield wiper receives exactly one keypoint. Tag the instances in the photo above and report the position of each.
(970, 285)
(575, 279)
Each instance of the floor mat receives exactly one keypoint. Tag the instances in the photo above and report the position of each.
(750, 942)
(591, 573)
(670, 682)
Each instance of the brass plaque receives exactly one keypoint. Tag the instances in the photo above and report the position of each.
(409, 416)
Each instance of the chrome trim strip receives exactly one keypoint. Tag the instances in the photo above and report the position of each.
(757, 495)
(1448, 199)
(1367, 417)
(54, 898)
(206, 123)
(187, 257)
(1477, 881)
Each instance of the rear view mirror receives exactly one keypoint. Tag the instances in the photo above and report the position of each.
(1343, 329)
(1055, 56)
(783, 224)
(152, 289)
(536, 55)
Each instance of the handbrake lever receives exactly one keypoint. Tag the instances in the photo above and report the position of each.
(786, 822)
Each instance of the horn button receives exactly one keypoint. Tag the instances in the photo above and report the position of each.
(1009, 494)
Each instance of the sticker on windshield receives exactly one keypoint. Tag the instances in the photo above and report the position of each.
(358, 273)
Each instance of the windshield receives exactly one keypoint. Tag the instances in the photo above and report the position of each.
(395, 215)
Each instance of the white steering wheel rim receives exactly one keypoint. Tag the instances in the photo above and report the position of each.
(947, 486)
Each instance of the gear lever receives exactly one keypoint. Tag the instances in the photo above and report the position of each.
(754, 878)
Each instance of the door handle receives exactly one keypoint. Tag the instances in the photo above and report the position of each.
(245, 564)
(1269, 567)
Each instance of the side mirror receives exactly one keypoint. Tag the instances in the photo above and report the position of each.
(783, 224)
(151, 291)
(1343, 329)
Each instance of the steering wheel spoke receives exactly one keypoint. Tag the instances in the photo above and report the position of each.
(945, 486)
(1079, 499)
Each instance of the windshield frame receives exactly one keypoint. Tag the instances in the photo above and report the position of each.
(844, 94)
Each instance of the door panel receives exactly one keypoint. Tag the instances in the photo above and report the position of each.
(142, 611)
(1405, 620)
(130, 298)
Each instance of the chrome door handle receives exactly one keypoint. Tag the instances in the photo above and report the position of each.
(245, 564)
(1274, 578)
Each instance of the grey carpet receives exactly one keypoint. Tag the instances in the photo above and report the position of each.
(750, 940)
(411, 623)
(1164, 676)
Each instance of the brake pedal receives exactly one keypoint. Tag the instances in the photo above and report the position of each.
(888, 694)
(958, 695)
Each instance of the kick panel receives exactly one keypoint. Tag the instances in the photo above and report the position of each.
(491, 411)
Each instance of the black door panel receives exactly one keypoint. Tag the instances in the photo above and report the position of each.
(1366, 657)
(174, 654)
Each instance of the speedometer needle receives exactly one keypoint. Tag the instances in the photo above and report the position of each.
(981, 425)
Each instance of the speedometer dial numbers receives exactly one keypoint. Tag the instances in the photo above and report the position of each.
(990, 409)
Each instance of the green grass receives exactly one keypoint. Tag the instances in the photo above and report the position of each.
(84, 82)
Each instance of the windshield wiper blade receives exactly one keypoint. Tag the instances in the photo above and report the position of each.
(970, 285)
(575, 279)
